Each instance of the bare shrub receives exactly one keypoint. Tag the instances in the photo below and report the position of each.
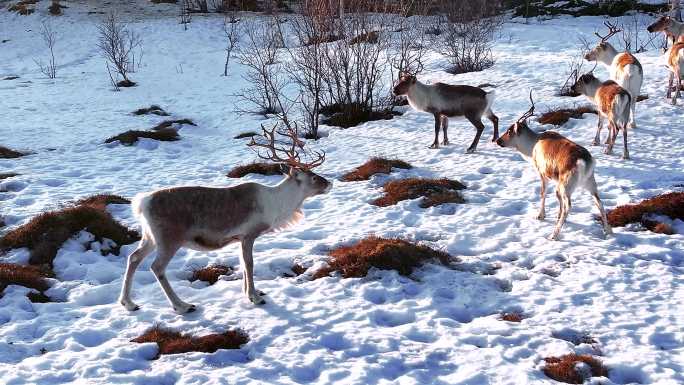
(564, 368)
(374, 166)
(44, 234)
(131, 137)
(174, 342)
(55, 8)
(8, 153)
(635, 38)
(468, 33)
(23, 7)
(670, 205)
(382, 253)
(560, 116)
(47, 33)
(255, 168)
(245, 135)
(184, 14)
(210, 274)
(231, 33)
(575, 69)
(433, 191)
(117, 43)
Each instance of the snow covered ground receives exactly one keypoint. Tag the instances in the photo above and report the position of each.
(442, 326)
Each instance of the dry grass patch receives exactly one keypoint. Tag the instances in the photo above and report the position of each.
(512, 317)
(433, 191)
(44, 234)
(131, 137)
(374, 166)
(255, 168)
(173, 342)
(564, 368)
(641, 98)
(670, 205)
(245, 135)
(153, 109)
(100, 201)
(23, 7)
(382, 253)
(561, 116)
(8, 175)
(210, 274)
(32, 277)
(8, 153)
(167, 124)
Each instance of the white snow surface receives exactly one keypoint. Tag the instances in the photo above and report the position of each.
(439, 326)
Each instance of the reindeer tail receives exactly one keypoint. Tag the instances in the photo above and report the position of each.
(489, 97)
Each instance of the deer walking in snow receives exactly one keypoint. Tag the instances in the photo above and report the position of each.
(624, 67)
(612, 102)
(203, 218)
(559, 159)
(446, 101)
(673, 29)
(675, 63)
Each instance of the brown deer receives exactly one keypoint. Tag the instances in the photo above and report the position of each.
(204, 218)
(612, 102)
(556, 158)
(446, 101)
(673, 30)
(675, 63)
(624, 67)
(669, 26)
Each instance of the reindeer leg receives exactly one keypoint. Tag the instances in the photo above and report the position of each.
(445, 125)
(438, 120)
(542, 193)
(678, 79)
(248, 271)
(495, 120)
(564, 193)
(164, 254)
(477, 122)
(669, 86)
(591, 186)
(144, 249)
(597, 137)
(625, 152)
(632, 116)
(609, 141)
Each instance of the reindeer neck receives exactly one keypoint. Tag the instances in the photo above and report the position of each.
(419, 95)
(591, 89)
(527, 139)
(289, 189)
(607, 55)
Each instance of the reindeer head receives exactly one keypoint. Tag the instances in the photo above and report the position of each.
(662, 24)
(603, 44)
(511, 137)
(404, 84)
(580, 86)
(288, 153)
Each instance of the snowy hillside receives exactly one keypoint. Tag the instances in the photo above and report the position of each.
(620, 298)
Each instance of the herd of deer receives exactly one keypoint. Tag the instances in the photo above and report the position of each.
(202, 218)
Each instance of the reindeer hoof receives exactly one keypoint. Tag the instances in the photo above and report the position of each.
(541, 217)
(625, 157)
(261, 292)
(185, 308)
(434, 145)
(674, 102)
(632, 125)
(130, 306)
(595, 143)
(470, 150)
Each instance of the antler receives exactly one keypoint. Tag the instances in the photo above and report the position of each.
(529, 112)
(290, 152)
(612, 30)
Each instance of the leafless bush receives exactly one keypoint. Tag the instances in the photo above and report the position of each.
(117, 43)
(468, 33)
(231, 33)
(265, 72)
(55, 8)
(575, 69)
(635, 38)
(50, 39)
(409, 45)
(184, 15)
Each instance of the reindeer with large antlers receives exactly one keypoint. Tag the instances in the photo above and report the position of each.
(203, 218)
(675, 55)
(556, 158)
(624, 67)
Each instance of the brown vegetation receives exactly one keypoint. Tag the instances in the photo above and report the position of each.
(100, 201)
(55, 8)
(22, 7)
(374, 166)
(28, 276)
(153, 109)
(367, 37)
(8, 153)
(382, 253)
(244, 135)
(173, 342)
(131, 137)
(255, 168)
(210, 274)
(434, 191)
(8, 175)
(641, 98)
(352, 115)
(563, 368)
(512, 317)
(44, 234)
(562, 115)
(168, 123)
(670, 204)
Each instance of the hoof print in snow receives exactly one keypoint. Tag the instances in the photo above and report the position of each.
(255, 168)
(31, 277)
(131, 137)
(8, 153)
(153, 110)
(45, 233)
(434, 192)
(573, 368)
(173, 342)
(210, 274)
(646, 212)
(560, 116)
(374, 166)
(355, 260)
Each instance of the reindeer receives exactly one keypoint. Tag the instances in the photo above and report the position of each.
(612, 102)
(669, 26)
(203, 218)
(446, 101)
(556, 158)
(675, 63)
(624, 67)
